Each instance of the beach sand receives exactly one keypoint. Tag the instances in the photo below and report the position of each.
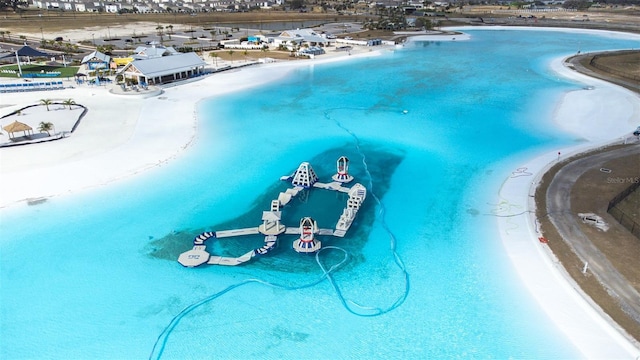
(583, 114)
(122, 136)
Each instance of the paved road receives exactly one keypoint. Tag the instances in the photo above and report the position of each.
(559, 210)
(575, 62)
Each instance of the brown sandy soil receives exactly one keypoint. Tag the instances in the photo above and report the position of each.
(239, 56)
(592, 193)
(32, 22)
(606, 15)
(620, 68)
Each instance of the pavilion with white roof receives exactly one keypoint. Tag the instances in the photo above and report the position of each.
(300, 37)
(165, 69)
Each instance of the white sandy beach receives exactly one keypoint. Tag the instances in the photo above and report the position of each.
(121, 136)
(583, 114)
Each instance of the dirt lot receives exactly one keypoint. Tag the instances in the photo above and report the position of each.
(592, 193)
(32, 22)
(622, 68)
(618, 244)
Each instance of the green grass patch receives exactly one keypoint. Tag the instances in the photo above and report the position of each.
(65, 72)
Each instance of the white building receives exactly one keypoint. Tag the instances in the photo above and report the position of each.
(166, 69)
(300, 37)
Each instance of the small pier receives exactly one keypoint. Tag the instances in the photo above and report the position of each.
(237, 232)
(303, 178)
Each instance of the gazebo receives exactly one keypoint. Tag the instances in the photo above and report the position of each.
(18, 126)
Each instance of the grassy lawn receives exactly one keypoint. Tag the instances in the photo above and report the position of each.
(65, 72)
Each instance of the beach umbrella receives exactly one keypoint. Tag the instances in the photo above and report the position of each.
(17, 126)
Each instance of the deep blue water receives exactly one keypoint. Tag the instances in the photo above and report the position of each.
(93, 274)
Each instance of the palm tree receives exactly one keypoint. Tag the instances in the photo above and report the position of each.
(215, 57)
(46, 102)
(45, 127)
(69, 102)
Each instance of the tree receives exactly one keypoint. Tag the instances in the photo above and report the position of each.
(230, 52)
(576, 4)
(296, 4)
(424, 22)
(215, 57)
(13, 4)
(69, 102)
(46, 102)
(105, 49)
(45, 127)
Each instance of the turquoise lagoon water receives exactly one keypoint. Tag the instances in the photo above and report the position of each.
(93, 274)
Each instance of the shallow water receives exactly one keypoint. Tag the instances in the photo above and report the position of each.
(93, 274)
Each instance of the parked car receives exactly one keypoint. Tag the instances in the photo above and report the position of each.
(637, 132)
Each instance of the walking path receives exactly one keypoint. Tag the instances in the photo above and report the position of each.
(558, 199)
(574, 62)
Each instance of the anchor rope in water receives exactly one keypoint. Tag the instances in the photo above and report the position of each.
(326, 273)
(382, 215)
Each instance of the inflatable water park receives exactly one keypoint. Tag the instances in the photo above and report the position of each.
(307, 230)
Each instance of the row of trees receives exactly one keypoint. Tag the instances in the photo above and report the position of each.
(47, 102)
(13, 4)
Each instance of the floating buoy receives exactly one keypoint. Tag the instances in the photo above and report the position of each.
(543, 240)
(405, 111)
